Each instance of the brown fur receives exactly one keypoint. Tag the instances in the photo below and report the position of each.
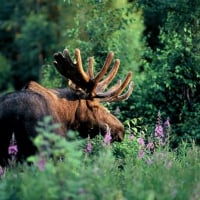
(79, 111)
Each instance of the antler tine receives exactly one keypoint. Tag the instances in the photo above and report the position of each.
(60, 62)
(73, 71)
(113, 93)
(104, 69)
(103, 84)
(121, 97)
(127, 93)
(80, 66)
(113, 88)
(90, 70)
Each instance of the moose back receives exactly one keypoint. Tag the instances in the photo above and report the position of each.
(77, 107)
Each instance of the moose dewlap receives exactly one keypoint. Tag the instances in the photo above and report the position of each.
(77, 107)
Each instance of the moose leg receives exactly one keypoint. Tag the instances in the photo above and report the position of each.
(5, 137)
(23, 136)
(25, 146)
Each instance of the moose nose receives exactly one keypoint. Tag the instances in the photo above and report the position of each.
(118, 137)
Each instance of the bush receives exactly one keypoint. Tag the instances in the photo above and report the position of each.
(66, 169)
(5, 71)
(35, 43)
(171, 68)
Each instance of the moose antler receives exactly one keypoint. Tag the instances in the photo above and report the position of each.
(90, 84)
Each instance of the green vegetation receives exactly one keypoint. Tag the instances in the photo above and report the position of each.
(171, 68)
(159, 42)
(91, 169)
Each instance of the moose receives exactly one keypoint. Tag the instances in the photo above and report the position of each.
(77, 107)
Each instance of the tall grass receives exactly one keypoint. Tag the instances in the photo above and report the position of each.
(95, 169)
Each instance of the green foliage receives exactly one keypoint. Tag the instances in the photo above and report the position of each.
(5, 72)
(62, 170)
(51, 78)
(165, 69)
(96, 34)
(171, 71)
(107, 26)
(33, 43)
(29, 34)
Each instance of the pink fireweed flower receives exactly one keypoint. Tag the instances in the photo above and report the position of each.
(89, 147)
(141, 141)
(13, 149)
(41, 164)
(150, 146)
(141, 153)
(159, 131)
(107, 137)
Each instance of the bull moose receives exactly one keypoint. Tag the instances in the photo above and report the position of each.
(77, 107)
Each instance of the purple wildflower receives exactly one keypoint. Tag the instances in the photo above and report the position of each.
(107, 137)
(141, 141)
(41, 164)
(150, 146)
(159, 131)
(141, 153)
(13, 150)
(89, 147)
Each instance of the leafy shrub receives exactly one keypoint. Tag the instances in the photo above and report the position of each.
(107, 25)
(5, 72)
(64, 170)
(170, 80)
(34, 44)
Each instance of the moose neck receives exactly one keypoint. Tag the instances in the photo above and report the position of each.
(66, 104)
(63, 104)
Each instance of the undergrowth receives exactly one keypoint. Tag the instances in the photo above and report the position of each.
(90, 169)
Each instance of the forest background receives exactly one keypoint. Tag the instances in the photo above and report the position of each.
(158, 40)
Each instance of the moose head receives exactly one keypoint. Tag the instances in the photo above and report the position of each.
(77, 107)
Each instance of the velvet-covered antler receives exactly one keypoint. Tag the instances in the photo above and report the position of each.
(92, 85)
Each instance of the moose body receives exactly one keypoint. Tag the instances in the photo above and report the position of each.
(76, 108)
